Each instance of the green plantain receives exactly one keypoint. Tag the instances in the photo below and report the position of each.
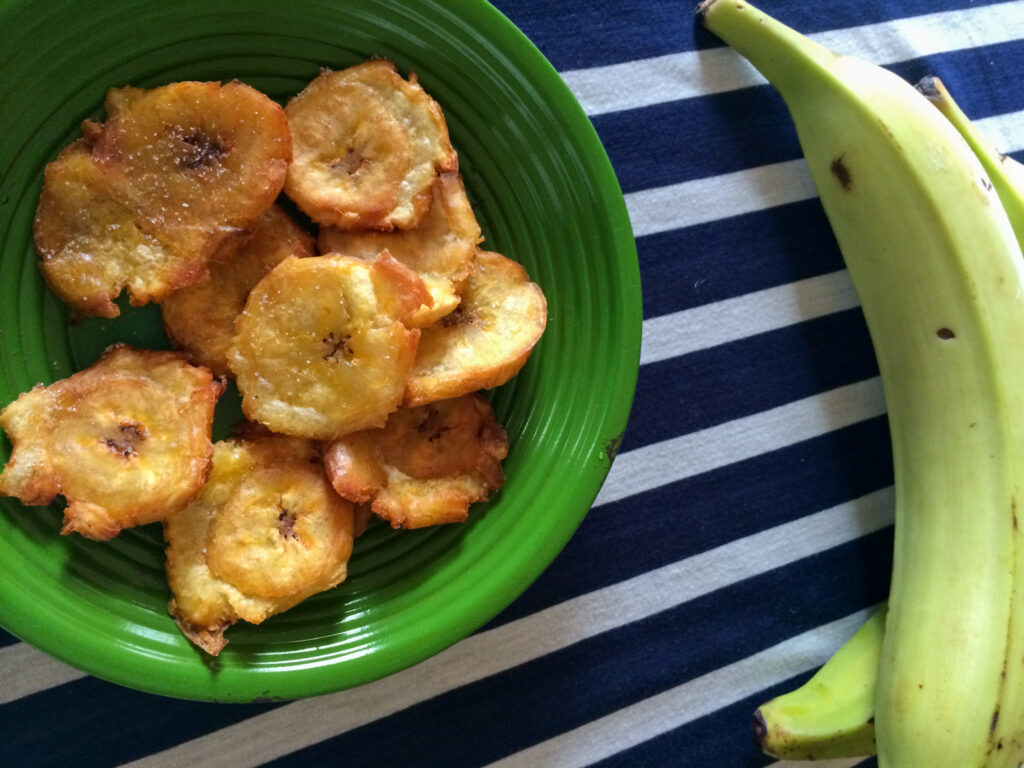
(939, 275)
(832, 715)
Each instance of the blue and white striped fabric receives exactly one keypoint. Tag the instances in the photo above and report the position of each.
(745, 529)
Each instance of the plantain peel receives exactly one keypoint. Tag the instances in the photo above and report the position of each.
(125, 441)
(172, 181)
(368, 147)
(200, 319)
(486, 339)
(266, 532)
(440, 249)
(322, 348)
(426, 466)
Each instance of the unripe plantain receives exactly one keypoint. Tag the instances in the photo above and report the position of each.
(939, 275)
(832, 715)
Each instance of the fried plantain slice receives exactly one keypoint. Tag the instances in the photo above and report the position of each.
(203, 160)
(368, 147)
(266, 532)
(426, 466)
(486, 340)
(125, 441)
(200, 319)
(172, 180)
(440, 250)
(90, 244)
(322, 348)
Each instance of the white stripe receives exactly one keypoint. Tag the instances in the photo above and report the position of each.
(702, 201)
(709, 325)
(645, 82)
(683, 704)
(309, 721)
(678, 458)
(24, 671)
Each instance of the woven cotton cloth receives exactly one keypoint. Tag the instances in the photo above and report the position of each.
(745, 529)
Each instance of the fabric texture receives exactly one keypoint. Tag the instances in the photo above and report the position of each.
(744, 531)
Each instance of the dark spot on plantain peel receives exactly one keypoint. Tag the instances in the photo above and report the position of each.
(945, 334)
(841, 172)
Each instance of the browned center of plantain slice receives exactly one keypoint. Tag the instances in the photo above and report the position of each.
(368, 147)
(174, 179)
(195, 149)
(125, 438)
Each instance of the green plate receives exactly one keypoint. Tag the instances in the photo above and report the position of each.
(546, 196)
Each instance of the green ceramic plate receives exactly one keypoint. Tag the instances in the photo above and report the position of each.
(546, 196)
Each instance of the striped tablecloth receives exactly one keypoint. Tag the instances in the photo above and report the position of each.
(745, 529)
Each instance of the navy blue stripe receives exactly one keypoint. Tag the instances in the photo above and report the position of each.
(484, 721)
(90, 722)
(744, 377)
(690, 139)
(720, 260)
(615, 32)
(630, 537)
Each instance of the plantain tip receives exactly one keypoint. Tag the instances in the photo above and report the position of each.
(930, 87)
(760, 729)
(702, 7)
